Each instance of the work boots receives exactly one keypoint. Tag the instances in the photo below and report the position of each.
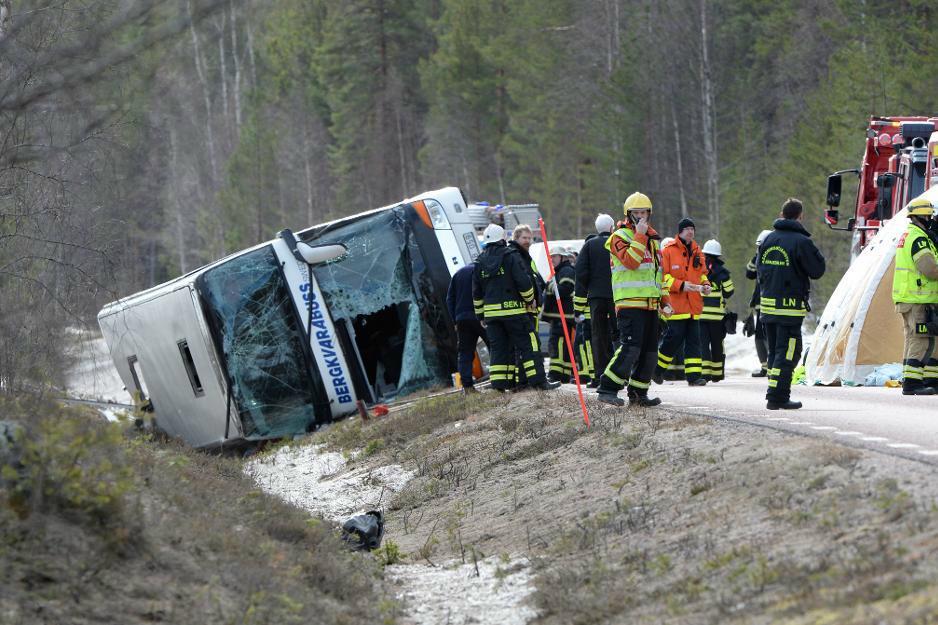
(760, 373)
(547, 385)
(610, 398)
(783, 405)
(918, 390)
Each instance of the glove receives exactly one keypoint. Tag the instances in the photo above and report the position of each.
(667, 311)
(579, 319)
(749, 326)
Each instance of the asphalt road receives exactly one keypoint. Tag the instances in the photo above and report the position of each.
(876, 418)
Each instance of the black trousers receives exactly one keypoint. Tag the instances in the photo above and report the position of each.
(712, 334)
(583, 350)
(468, 333)
(560, 368)
(784, 353)
(634, 360)
(686, 333)
(762, 342)
(506, 335)
(520, 377)
(604, 332)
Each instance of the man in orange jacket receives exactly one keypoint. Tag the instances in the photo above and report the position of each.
(685, 276)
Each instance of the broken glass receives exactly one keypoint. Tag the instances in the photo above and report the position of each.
(255, 326)
(381, 289)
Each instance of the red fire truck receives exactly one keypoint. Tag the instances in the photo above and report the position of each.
(900, 161)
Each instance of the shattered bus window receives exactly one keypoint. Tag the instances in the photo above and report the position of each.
(379, 291)
(254, 324)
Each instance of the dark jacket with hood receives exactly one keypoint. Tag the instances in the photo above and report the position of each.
(536, 278)
(593, 272)
(565, 277)
(788, 261)
(723, 288)
(501, 286)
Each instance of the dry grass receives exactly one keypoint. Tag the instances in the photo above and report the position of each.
(191, 541)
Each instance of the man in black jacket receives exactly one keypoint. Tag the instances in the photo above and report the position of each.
(468, 327)
(753, 325)
(592, 296)
(521, 239)
(502, 295)
(564, 278)
(787, 262)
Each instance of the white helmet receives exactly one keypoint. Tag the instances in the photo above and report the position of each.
(761, 237)
(493, 232)
(604, 223)
(713, 247)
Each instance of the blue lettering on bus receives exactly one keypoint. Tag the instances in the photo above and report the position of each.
(326, 346)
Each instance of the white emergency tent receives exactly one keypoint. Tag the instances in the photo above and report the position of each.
(860, 329)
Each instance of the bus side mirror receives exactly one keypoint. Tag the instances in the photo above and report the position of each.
(833, 192)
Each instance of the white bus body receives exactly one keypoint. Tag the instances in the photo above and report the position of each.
(379, 326)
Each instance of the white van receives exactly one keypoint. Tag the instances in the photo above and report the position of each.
(230, 351)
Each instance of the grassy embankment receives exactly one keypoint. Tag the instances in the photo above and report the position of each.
(657, 517)
(101, 525)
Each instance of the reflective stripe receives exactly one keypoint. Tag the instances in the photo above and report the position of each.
(639, 385)
(792, 344)
(534, 346)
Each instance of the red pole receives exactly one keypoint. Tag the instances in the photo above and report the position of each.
(563, 322)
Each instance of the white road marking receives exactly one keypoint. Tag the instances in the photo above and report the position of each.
(903, 445)
(849, 433)
(826, 428)
(802, 422)
(928, 452)
(778, 419)
(874, 439)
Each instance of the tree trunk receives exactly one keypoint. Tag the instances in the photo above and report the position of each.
(180, 226)
(6, 17)
(236, 56)
(206, 95)
(224, 73)
(709, 127)
(679, 157)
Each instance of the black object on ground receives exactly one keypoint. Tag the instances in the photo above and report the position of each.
(363, 532)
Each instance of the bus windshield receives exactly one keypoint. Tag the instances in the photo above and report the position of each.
(384, 296)
(256, 328)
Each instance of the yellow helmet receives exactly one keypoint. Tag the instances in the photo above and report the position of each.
(921, 207)
(636, 201)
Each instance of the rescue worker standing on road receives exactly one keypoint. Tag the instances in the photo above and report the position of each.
(712, 326)
(788, 261)
(468, 327)
(638, 293)
(915, 293)
(502, 295)
(521, 240)
(565, 280)
(592, 297)
(685, 277)
(753, 325)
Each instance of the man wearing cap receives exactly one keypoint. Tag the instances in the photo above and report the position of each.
(638, 295)
(712, 326)
(788, 261)
(564, 280)
(915, 293)
(502, 293)
(592, 298)
(685, 277)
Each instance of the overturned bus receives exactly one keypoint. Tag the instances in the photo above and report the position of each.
(265, 343)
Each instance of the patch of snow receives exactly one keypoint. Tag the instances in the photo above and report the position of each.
(93, 375)
(741, 357)
(317, 481)
(313, 479)
(455, 594)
